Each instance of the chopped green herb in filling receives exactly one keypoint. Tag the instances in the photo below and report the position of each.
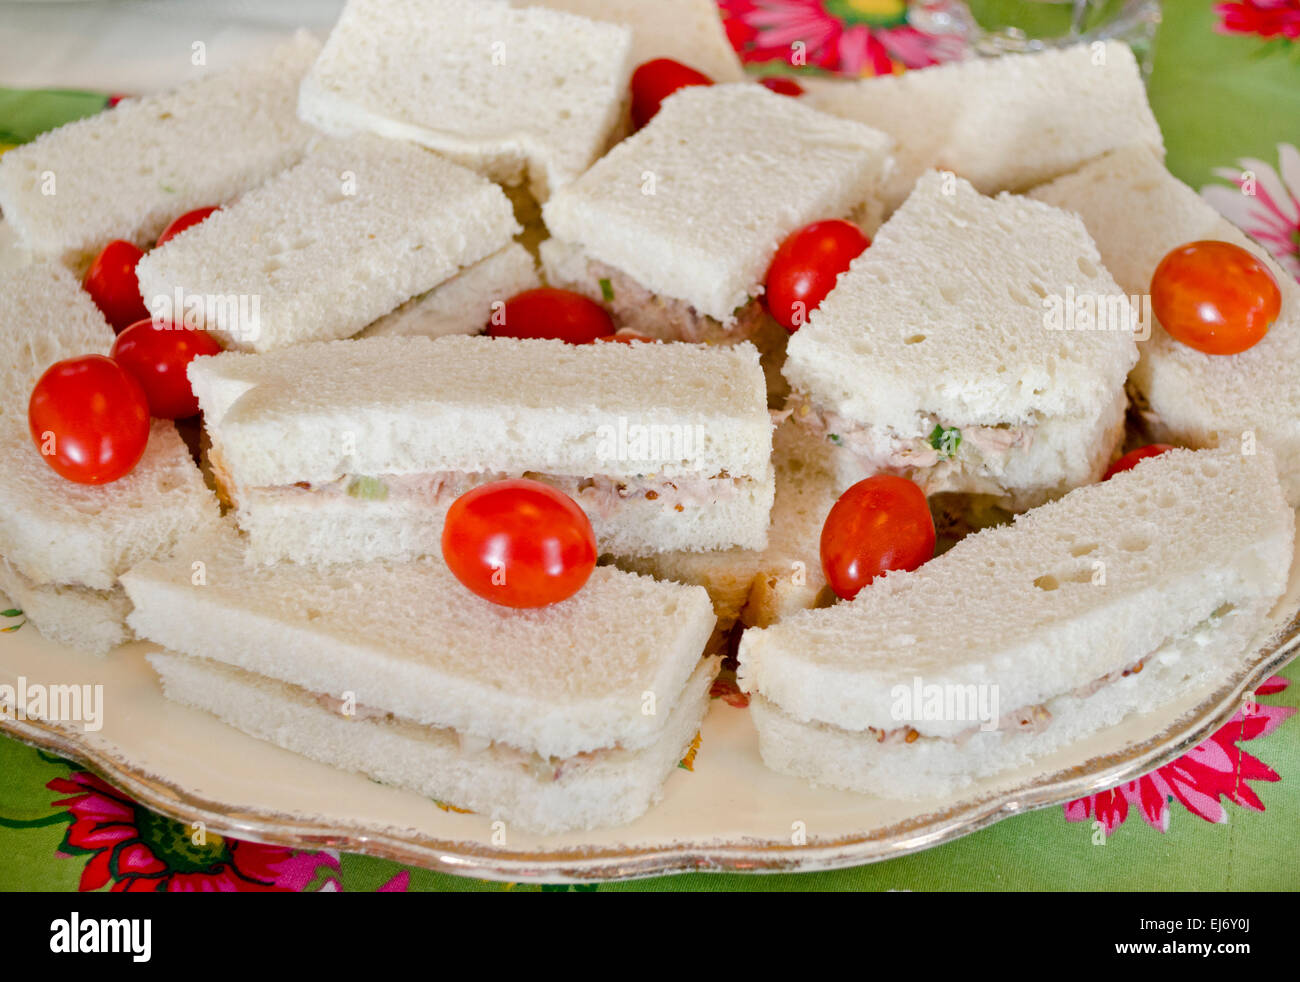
(368, 489)
(607, 290)
(946, 439)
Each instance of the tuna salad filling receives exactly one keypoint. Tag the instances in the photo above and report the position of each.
(935, 460)
(635, 308)
(599, 496)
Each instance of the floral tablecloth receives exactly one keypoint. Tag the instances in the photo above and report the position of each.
(1225, 86)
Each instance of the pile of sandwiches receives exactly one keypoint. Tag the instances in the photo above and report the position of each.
(383, 193)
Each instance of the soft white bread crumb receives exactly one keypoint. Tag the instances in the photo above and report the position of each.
(337, 528)
(128, 172)
(931, 767)
(408, 639)
(93, 621)
(1004, 123)
(516, 94)
(1068, 594)
(357, 228)
(477, 404)
(695, 204)
(51, 529)
(1138, 212)
(465, 303)
(611, 788)
(689, 31)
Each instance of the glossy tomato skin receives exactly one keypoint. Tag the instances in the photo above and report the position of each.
(880, 524)
(1133, 457)
(157, 359)
(111, 283)
(805, 268)
(548, 312)
(782, 85)
(188, 220)
(94, 417)
(519, 543)
(1215, 297)
(655, 81)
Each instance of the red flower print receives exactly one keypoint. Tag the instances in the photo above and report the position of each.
(1214, 770)
(1266, 18)
(850, 37)
(139, 851)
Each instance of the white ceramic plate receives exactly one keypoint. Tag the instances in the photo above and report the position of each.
(730, 813)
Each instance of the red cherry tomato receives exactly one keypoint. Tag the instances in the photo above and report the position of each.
(1215, 297)
(519, 543)
(806, 266)
(89, 419)
(1131, 459)
(157, 359)
(879, 524)
(628, 337)
(655, 81)
(547, 312)
(782, 85)
(190, 218)
(111, 283)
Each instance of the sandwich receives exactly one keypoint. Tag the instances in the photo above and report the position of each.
(128, 172)
(565, 717)
(1007, 123)
(354, 450)
(1138, 212)
(1022, 640)
(322, 250)
(674, 229)
(465, 303)
(759, 587)
(63, 545)
(527, 96)
(979, 348)
(687, 31)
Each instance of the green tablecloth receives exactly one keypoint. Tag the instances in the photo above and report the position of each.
(1226, 89)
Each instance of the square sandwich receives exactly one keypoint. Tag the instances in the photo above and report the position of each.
(352, 450)
(978, 347)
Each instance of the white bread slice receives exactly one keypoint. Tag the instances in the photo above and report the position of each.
(689, 31)
(128, 172)
(761, 587)
(1138, 212)
(93, 621)
(478, 404)
(463, 304)
(944, 321)
(323, 249)
(521, 95)
(1070, 593)
(694, 205)
(1004, 124)
(542, 795)
(559, 680)
(52, 530)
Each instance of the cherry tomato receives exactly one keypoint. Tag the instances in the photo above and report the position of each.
(111, 283)
(655, 81)
(89, 419)
(806, 266)
(1131, 459)
(157, 359)
(879, 524)
(782, 85)
(628, 337)
(519, 543)
(547, 312)
(187, 220)
(1215, 297)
